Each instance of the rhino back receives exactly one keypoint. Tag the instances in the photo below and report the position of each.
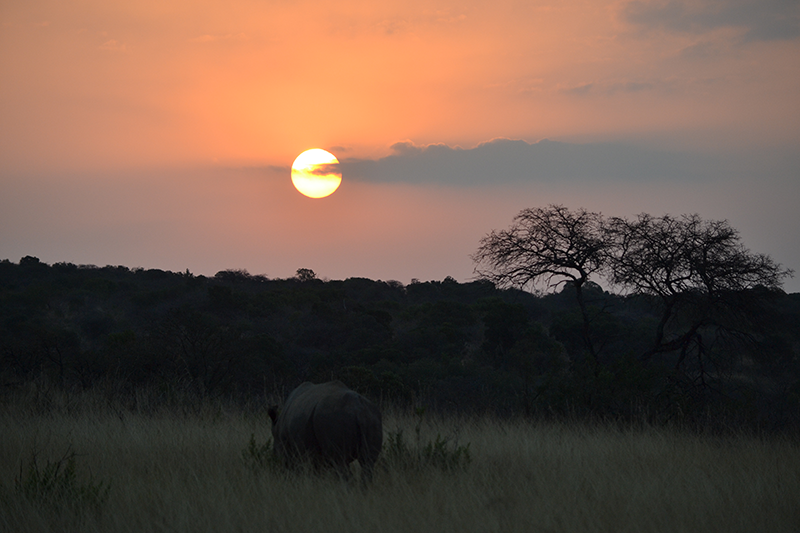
(294, 432)
(330, 423)
(294, 427)
(336, 425)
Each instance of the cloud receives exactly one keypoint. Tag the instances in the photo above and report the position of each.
(702, 50)
(325, 170)
(113, 45)
(763, 20)
(578, 90)
(609, 87)
(411, 22)
(393, 26)
(506, 161)
(631, 86)
(208, 38)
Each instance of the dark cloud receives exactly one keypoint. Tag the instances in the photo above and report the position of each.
(324, 170)
(608, 88)
(578, 90)
(632, 87)
(764, 20)
(701, 50)
(512, 161)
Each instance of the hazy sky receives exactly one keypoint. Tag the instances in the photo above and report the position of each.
(160, 134)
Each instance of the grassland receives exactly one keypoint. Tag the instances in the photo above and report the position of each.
(172, 469)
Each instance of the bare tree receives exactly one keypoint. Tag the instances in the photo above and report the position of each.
(698, 270)
(546, 247)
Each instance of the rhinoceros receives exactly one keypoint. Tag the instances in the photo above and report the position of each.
(330, 425)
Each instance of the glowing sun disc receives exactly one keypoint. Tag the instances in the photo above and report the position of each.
(316, 173)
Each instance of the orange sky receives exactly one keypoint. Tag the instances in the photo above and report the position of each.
(100, 83)
(128, 95)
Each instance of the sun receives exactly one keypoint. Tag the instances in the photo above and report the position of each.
(316, 173)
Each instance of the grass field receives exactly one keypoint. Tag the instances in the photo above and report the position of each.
(184, 470)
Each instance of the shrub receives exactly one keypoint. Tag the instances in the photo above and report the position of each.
(258, 458)
(443, 453)
(56, 484)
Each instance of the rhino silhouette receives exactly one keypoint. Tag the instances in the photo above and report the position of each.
(329, 425)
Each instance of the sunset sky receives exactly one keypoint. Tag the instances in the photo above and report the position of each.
(161, 134)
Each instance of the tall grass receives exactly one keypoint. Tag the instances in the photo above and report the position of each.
(184, 470)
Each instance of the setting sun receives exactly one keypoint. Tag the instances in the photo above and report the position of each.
(316, 174)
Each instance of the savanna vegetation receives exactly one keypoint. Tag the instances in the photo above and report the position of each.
(699, 331)
(83, 461)
(529, 399)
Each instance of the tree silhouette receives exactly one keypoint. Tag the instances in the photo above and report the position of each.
(708, 287)
(305, 274)
(546, 247)
(698, 270)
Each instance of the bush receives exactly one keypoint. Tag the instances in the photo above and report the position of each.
(258, 458)
(57, 484)
(444, 453)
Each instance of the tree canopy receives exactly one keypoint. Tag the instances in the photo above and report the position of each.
(706, 287)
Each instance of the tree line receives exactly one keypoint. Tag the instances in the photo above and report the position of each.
(692, 327)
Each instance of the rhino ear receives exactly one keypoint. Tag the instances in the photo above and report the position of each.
(273, 413)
